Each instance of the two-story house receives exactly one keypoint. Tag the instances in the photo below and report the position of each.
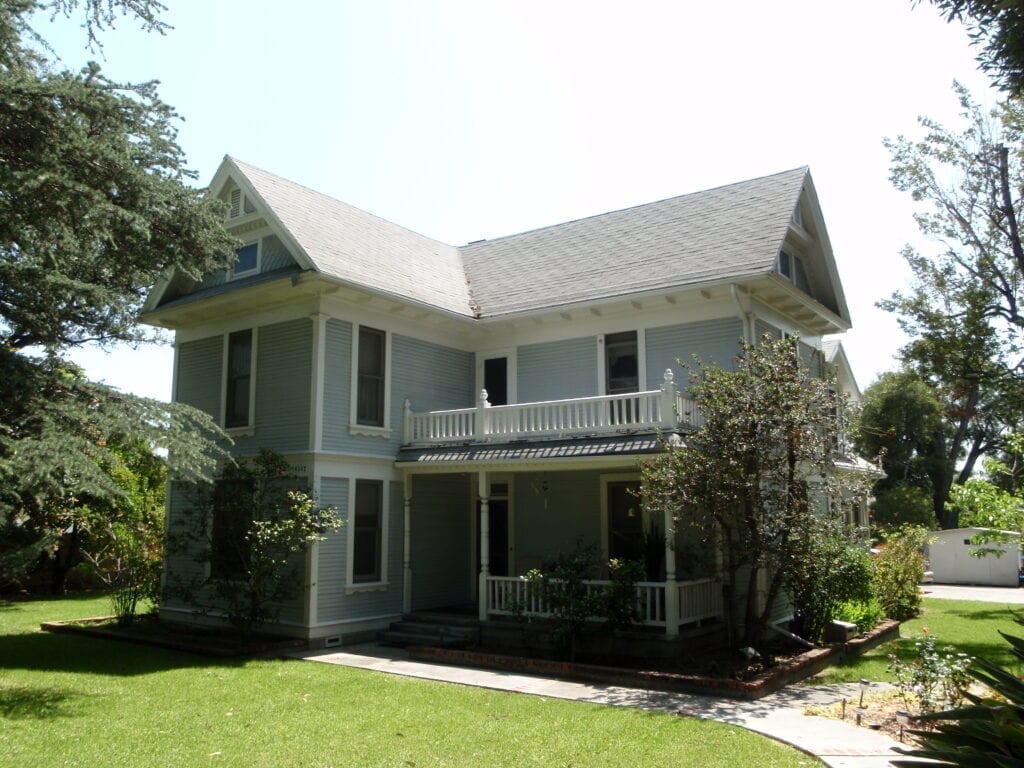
(474, 410)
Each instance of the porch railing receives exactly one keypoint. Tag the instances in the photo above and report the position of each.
(699, 600)
(663, 408)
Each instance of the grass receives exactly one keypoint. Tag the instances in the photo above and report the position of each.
(76, 701)
(973, 627)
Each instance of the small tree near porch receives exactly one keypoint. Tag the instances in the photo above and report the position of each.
(749, 480)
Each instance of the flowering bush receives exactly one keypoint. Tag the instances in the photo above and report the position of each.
(936, 678)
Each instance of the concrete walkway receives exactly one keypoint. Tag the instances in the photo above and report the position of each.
(1005, 595)
(780, 716)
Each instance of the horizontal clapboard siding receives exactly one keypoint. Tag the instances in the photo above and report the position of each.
(199, 374)
(715, 341)
(557, 370)
(553, 513)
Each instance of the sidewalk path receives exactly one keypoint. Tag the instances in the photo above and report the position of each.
(780, 716)
(1005, 595)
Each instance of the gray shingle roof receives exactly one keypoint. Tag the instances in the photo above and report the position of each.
(734, 231)
(731, 231)
(362, 249)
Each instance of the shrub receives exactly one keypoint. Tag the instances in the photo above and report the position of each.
(866, 614)
(899, 568)
(935, 678)
(831, 567)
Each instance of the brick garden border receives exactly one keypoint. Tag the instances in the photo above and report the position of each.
(779, 676)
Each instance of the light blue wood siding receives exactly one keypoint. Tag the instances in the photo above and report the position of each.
(553, 521)
(199, 374)
(709, 340)
(433, 377)
(275, 255)
(442, 547)
(332, 602)
(284, 361)
(330, 583)
(182, 568)
(337, 383)
(557, 370)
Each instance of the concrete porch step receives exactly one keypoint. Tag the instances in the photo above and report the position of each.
(412, 631)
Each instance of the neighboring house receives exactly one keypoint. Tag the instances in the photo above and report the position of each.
(362, 352)
(963, 556)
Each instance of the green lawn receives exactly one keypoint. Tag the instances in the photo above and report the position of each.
(973, 627)
(75, 701)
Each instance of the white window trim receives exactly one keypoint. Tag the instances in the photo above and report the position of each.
(352, 586)
(249, 428)
(233, 275)
(641, 360)
(354, 427)
(615, 478)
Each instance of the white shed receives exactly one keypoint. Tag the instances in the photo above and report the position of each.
(951, 562)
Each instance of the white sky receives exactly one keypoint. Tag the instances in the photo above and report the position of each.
(466, 120)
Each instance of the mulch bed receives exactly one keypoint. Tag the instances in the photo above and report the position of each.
(150, 630)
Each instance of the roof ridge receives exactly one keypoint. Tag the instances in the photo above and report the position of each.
(802, 168)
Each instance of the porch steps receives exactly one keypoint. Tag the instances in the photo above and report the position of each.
(439, 631)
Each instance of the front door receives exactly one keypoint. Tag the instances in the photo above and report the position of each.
(497, 512)
(625, 521)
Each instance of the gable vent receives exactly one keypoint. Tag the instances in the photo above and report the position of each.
(235, 209)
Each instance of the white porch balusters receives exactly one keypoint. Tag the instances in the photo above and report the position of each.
(485, 538)
(668, 401)
(407, 551)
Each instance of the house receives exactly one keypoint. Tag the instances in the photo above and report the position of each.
(474, 410)
(975, 556)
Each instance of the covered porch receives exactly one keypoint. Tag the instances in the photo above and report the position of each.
(506, 508)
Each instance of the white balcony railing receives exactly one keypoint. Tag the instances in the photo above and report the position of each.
(661, 408)
(699, 600)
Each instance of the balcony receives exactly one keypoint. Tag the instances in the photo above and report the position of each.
(660, 409)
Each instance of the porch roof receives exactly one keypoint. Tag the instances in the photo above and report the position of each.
(579, 449)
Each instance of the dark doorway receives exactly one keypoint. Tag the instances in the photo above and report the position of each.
(497, 512)
(625, 521)
(496, 380)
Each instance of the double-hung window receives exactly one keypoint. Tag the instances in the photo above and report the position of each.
(371, 377)
(238, 381)
(368, 532)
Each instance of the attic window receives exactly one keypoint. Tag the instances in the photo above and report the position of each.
(247, 259)
(798, 216)
(792, 268)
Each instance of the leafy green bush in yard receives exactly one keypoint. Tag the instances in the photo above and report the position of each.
(832, 567)
(866, 614)
(899, 569)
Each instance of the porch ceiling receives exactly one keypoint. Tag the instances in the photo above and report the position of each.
(596, 451)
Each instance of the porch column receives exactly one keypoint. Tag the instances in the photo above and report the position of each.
(671, 587)
(485, 546)
(407, 553)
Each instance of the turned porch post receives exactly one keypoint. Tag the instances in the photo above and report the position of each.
(480, 422)
(671, 586)
(407, 551)
(668, 402)
(485, 544)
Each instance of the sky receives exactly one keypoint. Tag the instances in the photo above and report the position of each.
(465, 120)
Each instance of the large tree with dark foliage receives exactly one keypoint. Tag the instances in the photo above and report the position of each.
(997, 27)
(95, 204)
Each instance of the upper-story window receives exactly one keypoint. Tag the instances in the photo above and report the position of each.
(792, 268)
(238, 380)
(247, 260)
(371, 377)
(622, 363)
